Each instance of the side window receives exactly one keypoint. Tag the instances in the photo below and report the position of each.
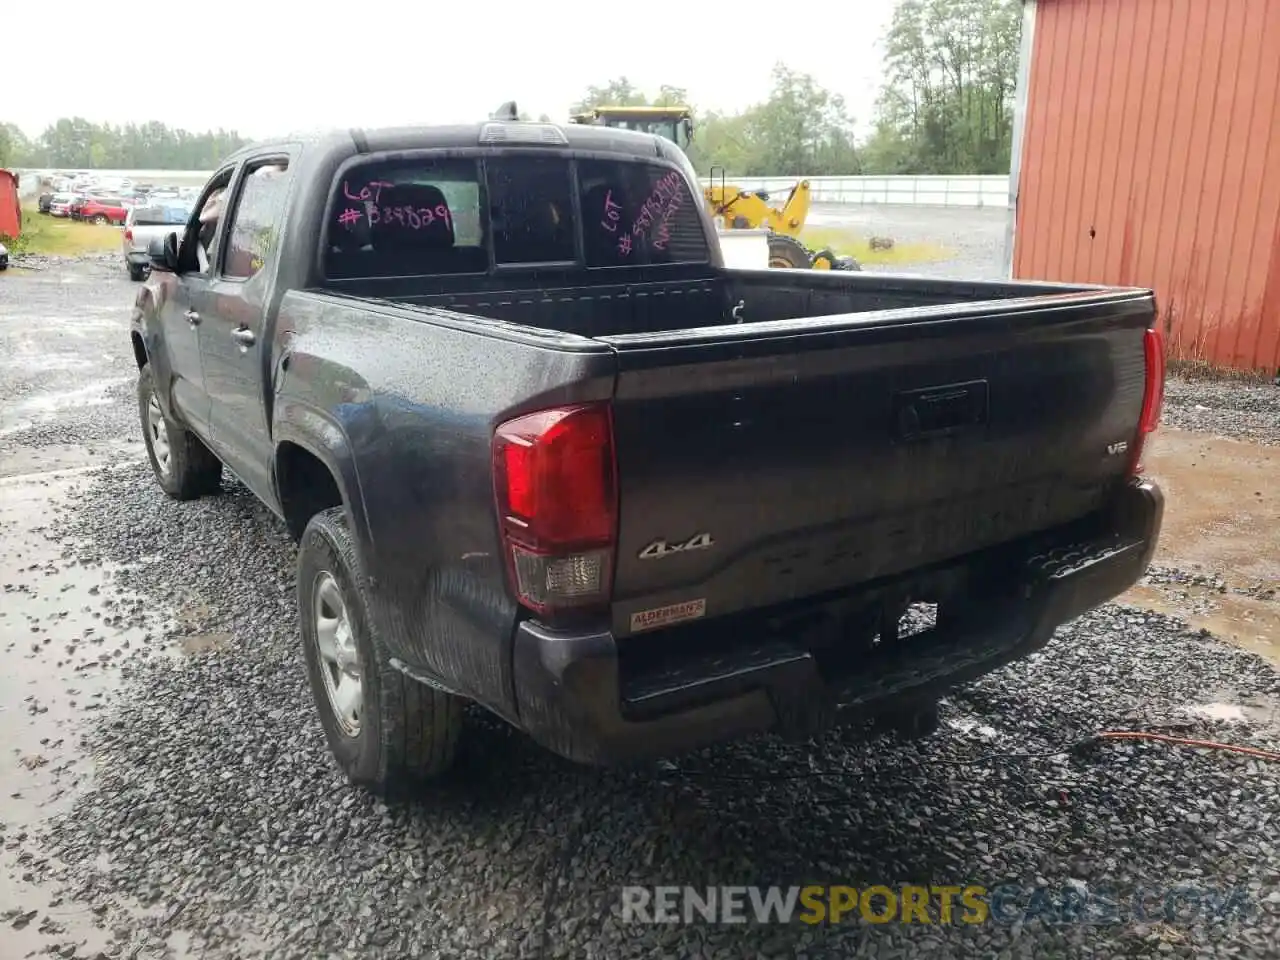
(531, 209)
(255, 221)
(197, 250)
(638, 213)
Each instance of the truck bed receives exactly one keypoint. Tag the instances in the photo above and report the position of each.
(850, 428)
(688, 298)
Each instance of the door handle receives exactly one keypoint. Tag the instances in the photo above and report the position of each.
(243, 336)
(193, 318)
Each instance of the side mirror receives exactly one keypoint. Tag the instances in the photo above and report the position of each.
(163, 253)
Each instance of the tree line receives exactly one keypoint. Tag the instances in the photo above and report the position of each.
(945, 107)
(77, 143)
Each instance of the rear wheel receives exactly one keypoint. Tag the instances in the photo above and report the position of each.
(384, 729)
(137, 271)
(183, 466)
(787, 253)
(100, 219)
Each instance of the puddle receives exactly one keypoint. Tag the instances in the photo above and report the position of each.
(64, 627)
(68, 457)
(1249, 623)
(43, 406)
(199, 643)
(1222, 525)
(969, 725)
(1231, 712)
(1227, 712)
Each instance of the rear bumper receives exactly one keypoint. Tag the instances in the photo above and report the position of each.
(137, 257)
(572, 696)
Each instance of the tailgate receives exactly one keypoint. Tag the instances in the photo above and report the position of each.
(776, 461)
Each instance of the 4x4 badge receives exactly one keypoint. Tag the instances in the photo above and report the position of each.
(660, 548)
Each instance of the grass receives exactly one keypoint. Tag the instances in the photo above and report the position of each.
(850, 244)
(53, 236)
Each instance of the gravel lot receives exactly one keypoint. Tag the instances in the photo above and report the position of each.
(167, 791)
(1243, 411)
(975, 237)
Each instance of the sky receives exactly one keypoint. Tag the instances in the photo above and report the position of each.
(272, 66)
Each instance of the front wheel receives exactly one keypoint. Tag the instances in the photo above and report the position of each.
(183, 466)
(384, 729)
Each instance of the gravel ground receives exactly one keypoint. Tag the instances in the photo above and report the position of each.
(216, 826)
(66, 384)
(1240, 411)
(217, 798)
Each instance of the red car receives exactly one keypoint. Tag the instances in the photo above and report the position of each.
(100, 210)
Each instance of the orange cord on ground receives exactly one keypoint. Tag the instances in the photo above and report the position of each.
(1188, 742)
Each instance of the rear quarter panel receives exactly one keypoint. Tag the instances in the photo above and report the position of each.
(402, 404)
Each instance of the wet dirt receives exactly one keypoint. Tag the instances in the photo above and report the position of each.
(1218, 563)
(63, 629)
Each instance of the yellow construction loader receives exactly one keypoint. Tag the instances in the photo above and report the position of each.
(733, 207)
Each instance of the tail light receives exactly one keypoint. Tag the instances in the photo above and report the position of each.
(1152, 396)
(556, 487)
(128, 234)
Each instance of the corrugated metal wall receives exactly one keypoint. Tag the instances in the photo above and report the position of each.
(1151, 156)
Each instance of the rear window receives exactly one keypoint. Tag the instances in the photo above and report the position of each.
(636, 213)
(407, 218)
(531, 209)
(451, 216)
(161, 216)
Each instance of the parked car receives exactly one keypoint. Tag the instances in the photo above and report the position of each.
(45, 201)
(60, 204)
(546, 453)
(101, 210)
(144, 223)
(4, 257)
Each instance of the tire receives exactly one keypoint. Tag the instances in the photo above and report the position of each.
(99, 219)
(137, 271)
(787, 253)
(183, 466)
(403, 733)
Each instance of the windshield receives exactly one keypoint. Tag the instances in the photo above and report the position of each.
(669, 129)
(425, 217)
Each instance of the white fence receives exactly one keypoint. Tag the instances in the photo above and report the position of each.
(889, 191)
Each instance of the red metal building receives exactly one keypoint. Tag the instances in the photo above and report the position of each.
(10, 211)
(1147, 152)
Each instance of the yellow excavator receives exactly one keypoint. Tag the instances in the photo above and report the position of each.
(735, 208)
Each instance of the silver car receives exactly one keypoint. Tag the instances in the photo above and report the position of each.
(147, 221)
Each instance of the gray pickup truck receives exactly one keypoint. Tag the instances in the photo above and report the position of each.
(543, 452)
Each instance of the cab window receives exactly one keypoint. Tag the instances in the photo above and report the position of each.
(407, 218)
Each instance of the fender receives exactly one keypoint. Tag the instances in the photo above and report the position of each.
(145, 322)
(320, 434)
